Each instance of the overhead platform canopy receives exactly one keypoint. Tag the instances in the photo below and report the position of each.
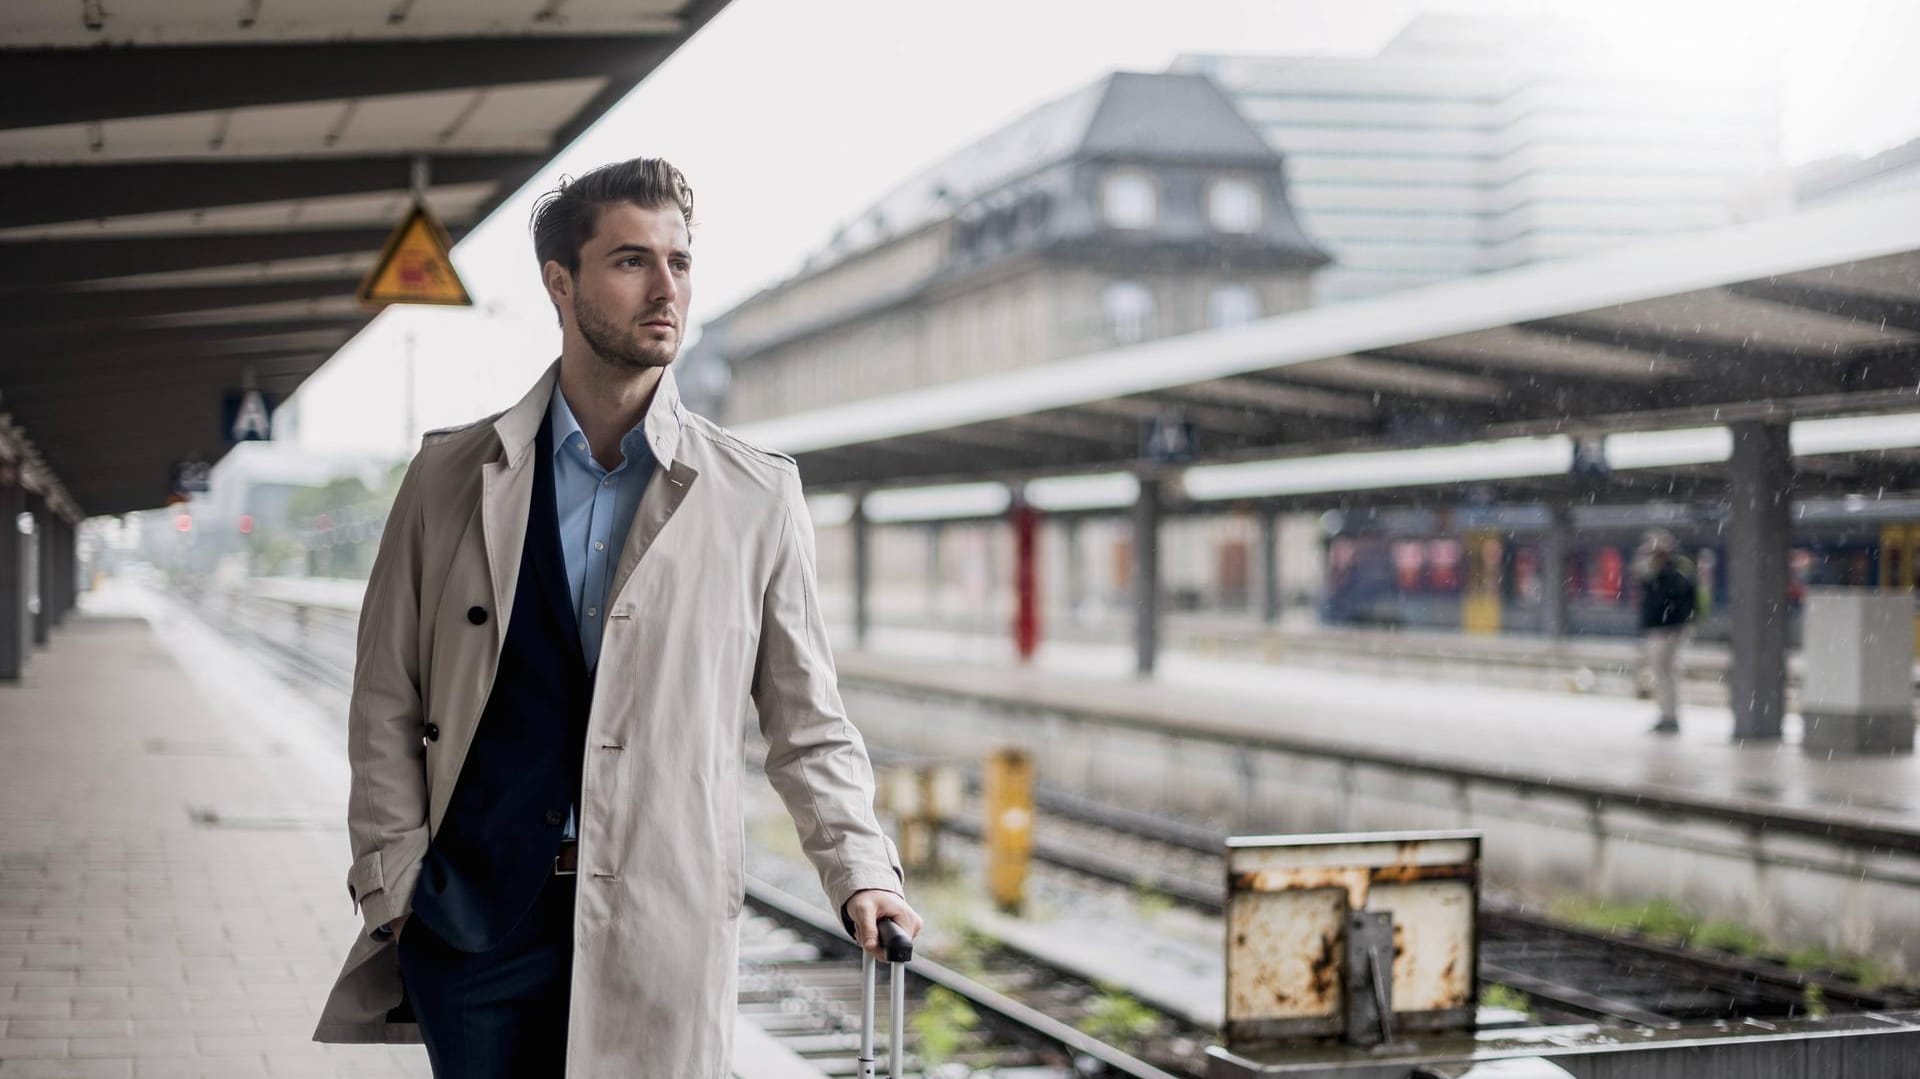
(192, 189)
(1809, 315)
(1857, 459)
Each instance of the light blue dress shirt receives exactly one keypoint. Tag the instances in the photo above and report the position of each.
(595, 506)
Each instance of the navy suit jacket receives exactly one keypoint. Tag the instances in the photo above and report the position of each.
(502, 828)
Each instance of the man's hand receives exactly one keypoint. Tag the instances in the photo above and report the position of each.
(867, 907)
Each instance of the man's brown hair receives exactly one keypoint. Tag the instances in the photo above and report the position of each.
(564, 218)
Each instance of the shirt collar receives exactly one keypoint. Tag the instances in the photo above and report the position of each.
(566, 426)
(658, 430)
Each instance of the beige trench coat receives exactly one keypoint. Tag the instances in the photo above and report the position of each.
(712, 604)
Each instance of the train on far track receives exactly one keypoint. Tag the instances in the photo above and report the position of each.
(1485, 568)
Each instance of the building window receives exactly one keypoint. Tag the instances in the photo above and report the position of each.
(1129, 310)
(1129, 200)
(1231, 305)
(1233, 205)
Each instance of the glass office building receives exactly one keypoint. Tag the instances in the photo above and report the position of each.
(1470, 144)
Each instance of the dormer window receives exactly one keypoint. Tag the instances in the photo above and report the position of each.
(1128, 306)
(1231, 305)
(1233, 205)
(1129, 200)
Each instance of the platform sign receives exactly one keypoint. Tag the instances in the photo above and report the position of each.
(414, 267)
(246, 416)
(190, 478)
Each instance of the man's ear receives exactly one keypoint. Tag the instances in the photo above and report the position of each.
(558, 281)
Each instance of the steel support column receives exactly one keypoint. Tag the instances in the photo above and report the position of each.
(1553, 570)
(41, 606)
(1147, 511)
(862, 567)
(933, 569)
(15, 629)
(1071, 567)
(1026, 579)
(63, 541)
(1761, 475)
(1269, 566)
(71, 550)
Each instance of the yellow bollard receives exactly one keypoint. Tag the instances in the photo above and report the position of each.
(1008, 794)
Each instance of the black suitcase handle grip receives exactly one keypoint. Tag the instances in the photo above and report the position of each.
(896, 943)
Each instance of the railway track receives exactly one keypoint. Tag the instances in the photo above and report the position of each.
(310, 647)
(1569, 973)
(1005, 1014)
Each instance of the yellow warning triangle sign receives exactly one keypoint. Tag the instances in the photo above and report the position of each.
(414, 267)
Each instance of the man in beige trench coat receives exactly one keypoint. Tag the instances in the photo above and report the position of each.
(608, 580)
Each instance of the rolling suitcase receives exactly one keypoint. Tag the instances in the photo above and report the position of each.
(899, 949)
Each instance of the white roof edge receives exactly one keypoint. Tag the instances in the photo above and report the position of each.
(1488, 460)
(1791, 243)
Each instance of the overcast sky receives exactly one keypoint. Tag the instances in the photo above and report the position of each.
(789, 118)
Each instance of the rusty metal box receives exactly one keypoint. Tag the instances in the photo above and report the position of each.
(1289, 901)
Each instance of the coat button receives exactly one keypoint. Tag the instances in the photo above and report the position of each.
(556, 816)
(477, 615)
(433, 732)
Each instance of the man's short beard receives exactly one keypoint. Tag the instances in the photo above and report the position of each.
(603, 335)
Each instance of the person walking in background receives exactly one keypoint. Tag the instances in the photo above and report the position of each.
(1667, 602)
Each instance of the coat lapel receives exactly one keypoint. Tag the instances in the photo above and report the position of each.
(657, 505)
(673, 478)
(506, 486)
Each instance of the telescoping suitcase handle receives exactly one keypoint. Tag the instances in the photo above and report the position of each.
(899, 948)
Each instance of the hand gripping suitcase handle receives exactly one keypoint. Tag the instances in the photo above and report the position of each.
(899, 949)
(895, 942)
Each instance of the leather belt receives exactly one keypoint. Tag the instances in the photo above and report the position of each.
(567, 862)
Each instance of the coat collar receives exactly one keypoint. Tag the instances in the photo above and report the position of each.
(665, 419)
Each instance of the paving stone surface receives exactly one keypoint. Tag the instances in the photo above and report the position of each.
(172, 859)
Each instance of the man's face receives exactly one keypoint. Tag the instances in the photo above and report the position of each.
(629, 300)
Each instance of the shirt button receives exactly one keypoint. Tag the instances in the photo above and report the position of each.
(555, 816)
(608, 482)
(599, 546)
(593, 612)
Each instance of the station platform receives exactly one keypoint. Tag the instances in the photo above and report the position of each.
(172, 844)
(1602, 665)
(172, 827)
(1557, 736)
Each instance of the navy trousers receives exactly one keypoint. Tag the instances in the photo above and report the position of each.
(497, 1014)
